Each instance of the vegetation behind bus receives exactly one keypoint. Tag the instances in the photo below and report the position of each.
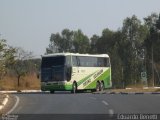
(129, 48)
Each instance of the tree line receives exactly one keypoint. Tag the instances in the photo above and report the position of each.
(133, 48)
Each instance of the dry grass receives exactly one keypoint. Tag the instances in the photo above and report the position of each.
(26, 83)
(139, 86)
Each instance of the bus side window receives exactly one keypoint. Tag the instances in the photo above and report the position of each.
(100, 64)
(74, 61)
(68, 60)
(106, 62)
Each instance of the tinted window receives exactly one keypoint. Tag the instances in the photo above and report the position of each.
(74, 61)
(86, 61)
(104, 62)
(52, 61)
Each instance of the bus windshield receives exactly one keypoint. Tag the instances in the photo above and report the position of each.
(48, 62)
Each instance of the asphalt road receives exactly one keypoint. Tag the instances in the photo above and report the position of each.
(87, 103)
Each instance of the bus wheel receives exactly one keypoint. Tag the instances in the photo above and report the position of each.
(98, 86)
(74, 88)
(102, 86)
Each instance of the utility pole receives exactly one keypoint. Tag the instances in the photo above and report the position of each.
(122, 78)
(152, 66)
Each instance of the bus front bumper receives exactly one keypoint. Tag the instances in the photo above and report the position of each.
(54, 87)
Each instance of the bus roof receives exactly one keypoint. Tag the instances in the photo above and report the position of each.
(75, 54)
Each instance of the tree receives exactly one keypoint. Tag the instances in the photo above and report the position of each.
(3, 46)
(106, 41)
(61, 42)
(152, 44)
(117, 70)
(134, 34)
(6, 57)
(21, 66)
(94, 39)
(81, 42)
(54, 44)
(67, 40)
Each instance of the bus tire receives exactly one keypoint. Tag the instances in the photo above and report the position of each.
(102, 86)
(98, 86)
(74, 87)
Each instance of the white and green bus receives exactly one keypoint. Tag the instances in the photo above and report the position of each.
(74, 71)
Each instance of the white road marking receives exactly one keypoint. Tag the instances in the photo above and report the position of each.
(110, 111)
(4, 102)
(17, 102)
(104, 102)
(93, 98)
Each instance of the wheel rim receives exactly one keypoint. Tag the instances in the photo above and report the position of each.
(102, 86)
(97, 87)
(74, 88)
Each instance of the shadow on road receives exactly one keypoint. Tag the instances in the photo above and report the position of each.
(56, 92)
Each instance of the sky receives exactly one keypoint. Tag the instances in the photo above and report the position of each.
(29, 23)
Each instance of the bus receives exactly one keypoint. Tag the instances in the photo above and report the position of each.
(74, 72)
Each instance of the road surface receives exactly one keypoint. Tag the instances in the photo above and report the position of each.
(87, 103)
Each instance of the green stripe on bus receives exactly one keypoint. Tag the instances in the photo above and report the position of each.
(105, 77)
(84, 79)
